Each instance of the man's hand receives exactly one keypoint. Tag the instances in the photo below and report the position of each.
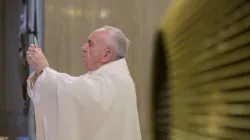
(36, 59)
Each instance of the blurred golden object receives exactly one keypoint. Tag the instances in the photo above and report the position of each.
(208, 47)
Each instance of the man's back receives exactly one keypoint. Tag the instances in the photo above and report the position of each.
(118, 117)
(122, 122)
(112, 114)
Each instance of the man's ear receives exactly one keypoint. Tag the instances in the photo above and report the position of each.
(108, 55)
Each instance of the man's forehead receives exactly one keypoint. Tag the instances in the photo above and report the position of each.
(98, 34)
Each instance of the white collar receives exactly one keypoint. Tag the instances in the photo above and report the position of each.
(117, 66)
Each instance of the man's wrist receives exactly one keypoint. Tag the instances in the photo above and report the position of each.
(40, 71)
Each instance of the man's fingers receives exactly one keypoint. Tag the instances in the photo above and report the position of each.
(29, 53)
(27, 57)
(32, 49)
(36, 50)
(32, 46)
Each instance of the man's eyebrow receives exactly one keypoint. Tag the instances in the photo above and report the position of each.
(90, 42)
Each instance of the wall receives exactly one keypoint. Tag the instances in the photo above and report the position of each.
(69, 22)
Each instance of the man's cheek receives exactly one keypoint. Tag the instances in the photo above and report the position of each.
(96, 54)
(88, 54)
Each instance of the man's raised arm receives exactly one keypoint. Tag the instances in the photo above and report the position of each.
(46, 80)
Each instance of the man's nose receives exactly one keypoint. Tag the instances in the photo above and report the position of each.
(84, 48)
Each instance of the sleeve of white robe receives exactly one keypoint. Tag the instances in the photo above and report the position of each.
(83, 96)
(43, 95)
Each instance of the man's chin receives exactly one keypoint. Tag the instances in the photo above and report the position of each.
(84, 65)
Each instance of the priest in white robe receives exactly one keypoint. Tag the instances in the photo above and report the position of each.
(99, 105)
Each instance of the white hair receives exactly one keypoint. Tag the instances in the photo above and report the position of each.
(121, 42)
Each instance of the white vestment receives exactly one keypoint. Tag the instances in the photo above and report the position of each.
(100, 105)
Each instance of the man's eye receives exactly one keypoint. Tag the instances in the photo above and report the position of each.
(89, 43)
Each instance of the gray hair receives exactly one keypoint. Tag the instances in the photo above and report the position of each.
(122, 43)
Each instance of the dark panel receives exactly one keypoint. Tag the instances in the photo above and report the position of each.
(1, 57)
(12, 121)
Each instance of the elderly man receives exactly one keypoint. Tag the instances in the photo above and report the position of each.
(100, 105)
